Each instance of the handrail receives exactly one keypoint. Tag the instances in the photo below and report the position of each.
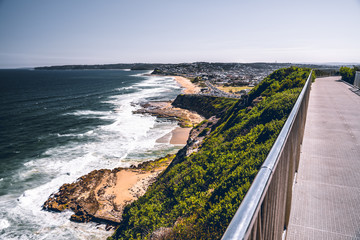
(265, 210)
(357, 79)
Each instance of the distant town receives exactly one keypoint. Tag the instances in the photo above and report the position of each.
(218, 79)
(228, 79)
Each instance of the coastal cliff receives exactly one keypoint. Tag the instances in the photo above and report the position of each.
(199, 193)
(195, 194)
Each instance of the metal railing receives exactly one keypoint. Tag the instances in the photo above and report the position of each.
(357, 80)
(265, 211)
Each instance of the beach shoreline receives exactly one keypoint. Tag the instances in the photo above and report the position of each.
(189, 87)
(185, 83)
(187, 119)
(101, 195)
(179, 136)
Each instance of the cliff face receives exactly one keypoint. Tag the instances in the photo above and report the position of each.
(204, 105)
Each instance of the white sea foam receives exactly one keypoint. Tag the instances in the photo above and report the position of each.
(89, 113)
(130, 137)
(77, 135)
(4, 224)
(142, 74)
(124, 88)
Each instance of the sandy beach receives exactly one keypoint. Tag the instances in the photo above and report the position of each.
(185, 117)
(189, 87)
(180, 136)
(115, 192)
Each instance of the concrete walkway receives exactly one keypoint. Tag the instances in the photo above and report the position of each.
(326, 198)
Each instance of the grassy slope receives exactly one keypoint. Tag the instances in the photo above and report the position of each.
(206, 106)
(197, 198)
(234, 89)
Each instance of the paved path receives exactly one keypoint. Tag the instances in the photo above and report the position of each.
(326, 199)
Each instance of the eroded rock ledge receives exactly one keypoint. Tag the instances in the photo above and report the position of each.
(165, 109)
(101, 195)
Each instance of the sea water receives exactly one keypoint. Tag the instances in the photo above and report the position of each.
(56, 126)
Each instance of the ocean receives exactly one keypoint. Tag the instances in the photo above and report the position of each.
(56, 126)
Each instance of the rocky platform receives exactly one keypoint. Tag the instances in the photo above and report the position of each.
(164, 109)
(101, 195)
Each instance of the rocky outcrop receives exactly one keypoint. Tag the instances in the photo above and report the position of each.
(186, 118)
(101, 195)
(87, 198)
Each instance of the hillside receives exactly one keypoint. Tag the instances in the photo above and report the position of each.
(197, 197)
(206, 106)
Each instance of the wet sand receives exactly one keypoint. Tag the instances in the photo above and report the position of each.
(180, 136)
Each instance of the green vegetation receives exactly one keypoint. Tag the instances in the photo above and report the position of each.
(348, 74)
(202, 123)
(155, 164)
(196, 79)
(234, 89)
(204, 105)
(204, 132)
(326, 72)
(197, 197)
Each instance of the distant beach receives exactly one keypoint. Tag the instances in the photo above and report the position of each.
(179, 135)
(189, 87)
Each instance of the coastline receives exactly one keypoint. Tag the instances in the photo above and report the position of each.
(189, 87)
(178, 136)
(101, 195)
(187, 119)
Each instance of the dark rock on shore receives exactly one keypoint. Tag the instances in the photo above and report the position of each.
(80, 196)
(186, 118)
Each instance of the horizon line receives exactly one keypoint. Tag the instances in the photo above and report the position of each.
(314, 63)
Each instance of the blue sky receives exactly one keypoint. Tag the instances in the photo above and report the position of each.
(45, 32)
